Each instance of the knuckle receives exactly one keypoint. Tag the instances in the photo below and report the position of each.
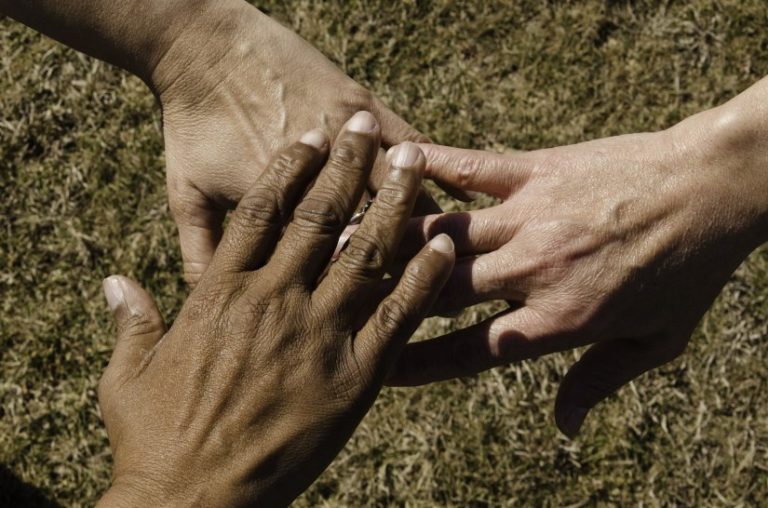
(288, 163)
(260, 209)
(418, 277)
(213, 295)
(323, 212)
(365, 254)
(392, 316)
(466, 171)
(395, 197)
(349, 154)
(141, 325)
(549, 160)
(360, 97)
(105, 384)
(192, 274)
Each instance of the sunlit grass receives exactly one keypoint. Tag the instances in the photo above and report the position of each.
(83, 196)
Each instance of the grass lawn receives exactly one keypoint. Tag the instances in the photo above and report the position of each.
(83, 196)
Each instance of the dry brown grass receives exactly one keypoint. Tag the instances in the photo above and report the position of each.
(81, 176)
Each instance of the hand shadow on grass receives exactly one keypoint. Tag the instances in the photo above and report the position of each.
(15, 492)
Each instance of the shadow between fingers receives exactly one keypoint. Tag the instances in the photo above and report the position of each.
(16, 492)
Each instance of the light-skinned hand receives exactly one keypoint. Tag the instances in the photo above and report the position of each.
(234, 87)
(232, 93)
(623, 243)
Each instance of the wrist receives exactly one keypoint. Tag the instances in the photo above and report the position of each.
(129, 491)
(203, 51)
(729, 147)
(121, 496)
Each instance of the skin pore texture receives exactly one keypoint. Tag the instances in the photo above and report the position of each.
(234, 86)
(275, 357)
(622, 242)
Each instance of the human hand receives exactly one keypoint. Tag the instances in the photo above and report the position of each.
(234, 87)
(233, 91)
(275, 357)
(623, 242)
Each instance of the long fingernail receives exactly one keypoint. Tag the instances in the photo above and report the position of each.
(315, 138)
(405, 155)
(113, 291)
(573, 421)
(362, 121)
(442, 243)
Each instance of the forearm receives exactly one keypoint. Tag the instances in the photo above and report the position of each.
(733, 137)
(132, 34)
(752, 108)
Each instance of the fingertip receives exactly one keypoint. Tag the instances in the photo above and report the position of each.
(443, 244)
(113, 292)
(406, 155)
(315, 138)
(126, 298)
(570, 420)
(362, 122)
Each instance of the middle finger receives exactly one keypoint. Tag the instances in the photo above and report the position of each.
(310, 238)
(373, 245)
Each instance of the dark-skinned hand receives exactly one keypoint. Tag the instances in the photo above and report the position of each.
(278, 353)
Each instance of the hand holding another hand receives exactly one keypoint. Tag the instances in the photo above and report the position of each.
(623, 243)
(276, 356)
(235, 87)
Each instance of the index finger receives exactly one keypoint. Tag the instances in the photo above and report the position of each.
(476, 170)
(507, 337)
(263, 211)
(310, 238)
(373, 245)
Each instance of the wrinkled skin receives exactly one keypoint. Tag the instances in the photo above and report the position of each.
(228, 106)
(275, 357)
(624, 242)
(234, 86)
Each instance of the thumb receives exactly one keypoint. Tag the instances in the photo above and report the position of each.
(200, 229)
(601, 371)
(139, 324)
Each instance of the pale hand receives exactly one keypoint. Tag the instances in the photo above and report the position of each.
(623, 242)
(234, 91)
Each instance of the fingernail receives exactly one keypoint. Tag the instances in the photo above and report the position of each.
(442, 243)
(405, 155)
(315, 138)
(362, 121)
(113, 291)
(573, 421)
